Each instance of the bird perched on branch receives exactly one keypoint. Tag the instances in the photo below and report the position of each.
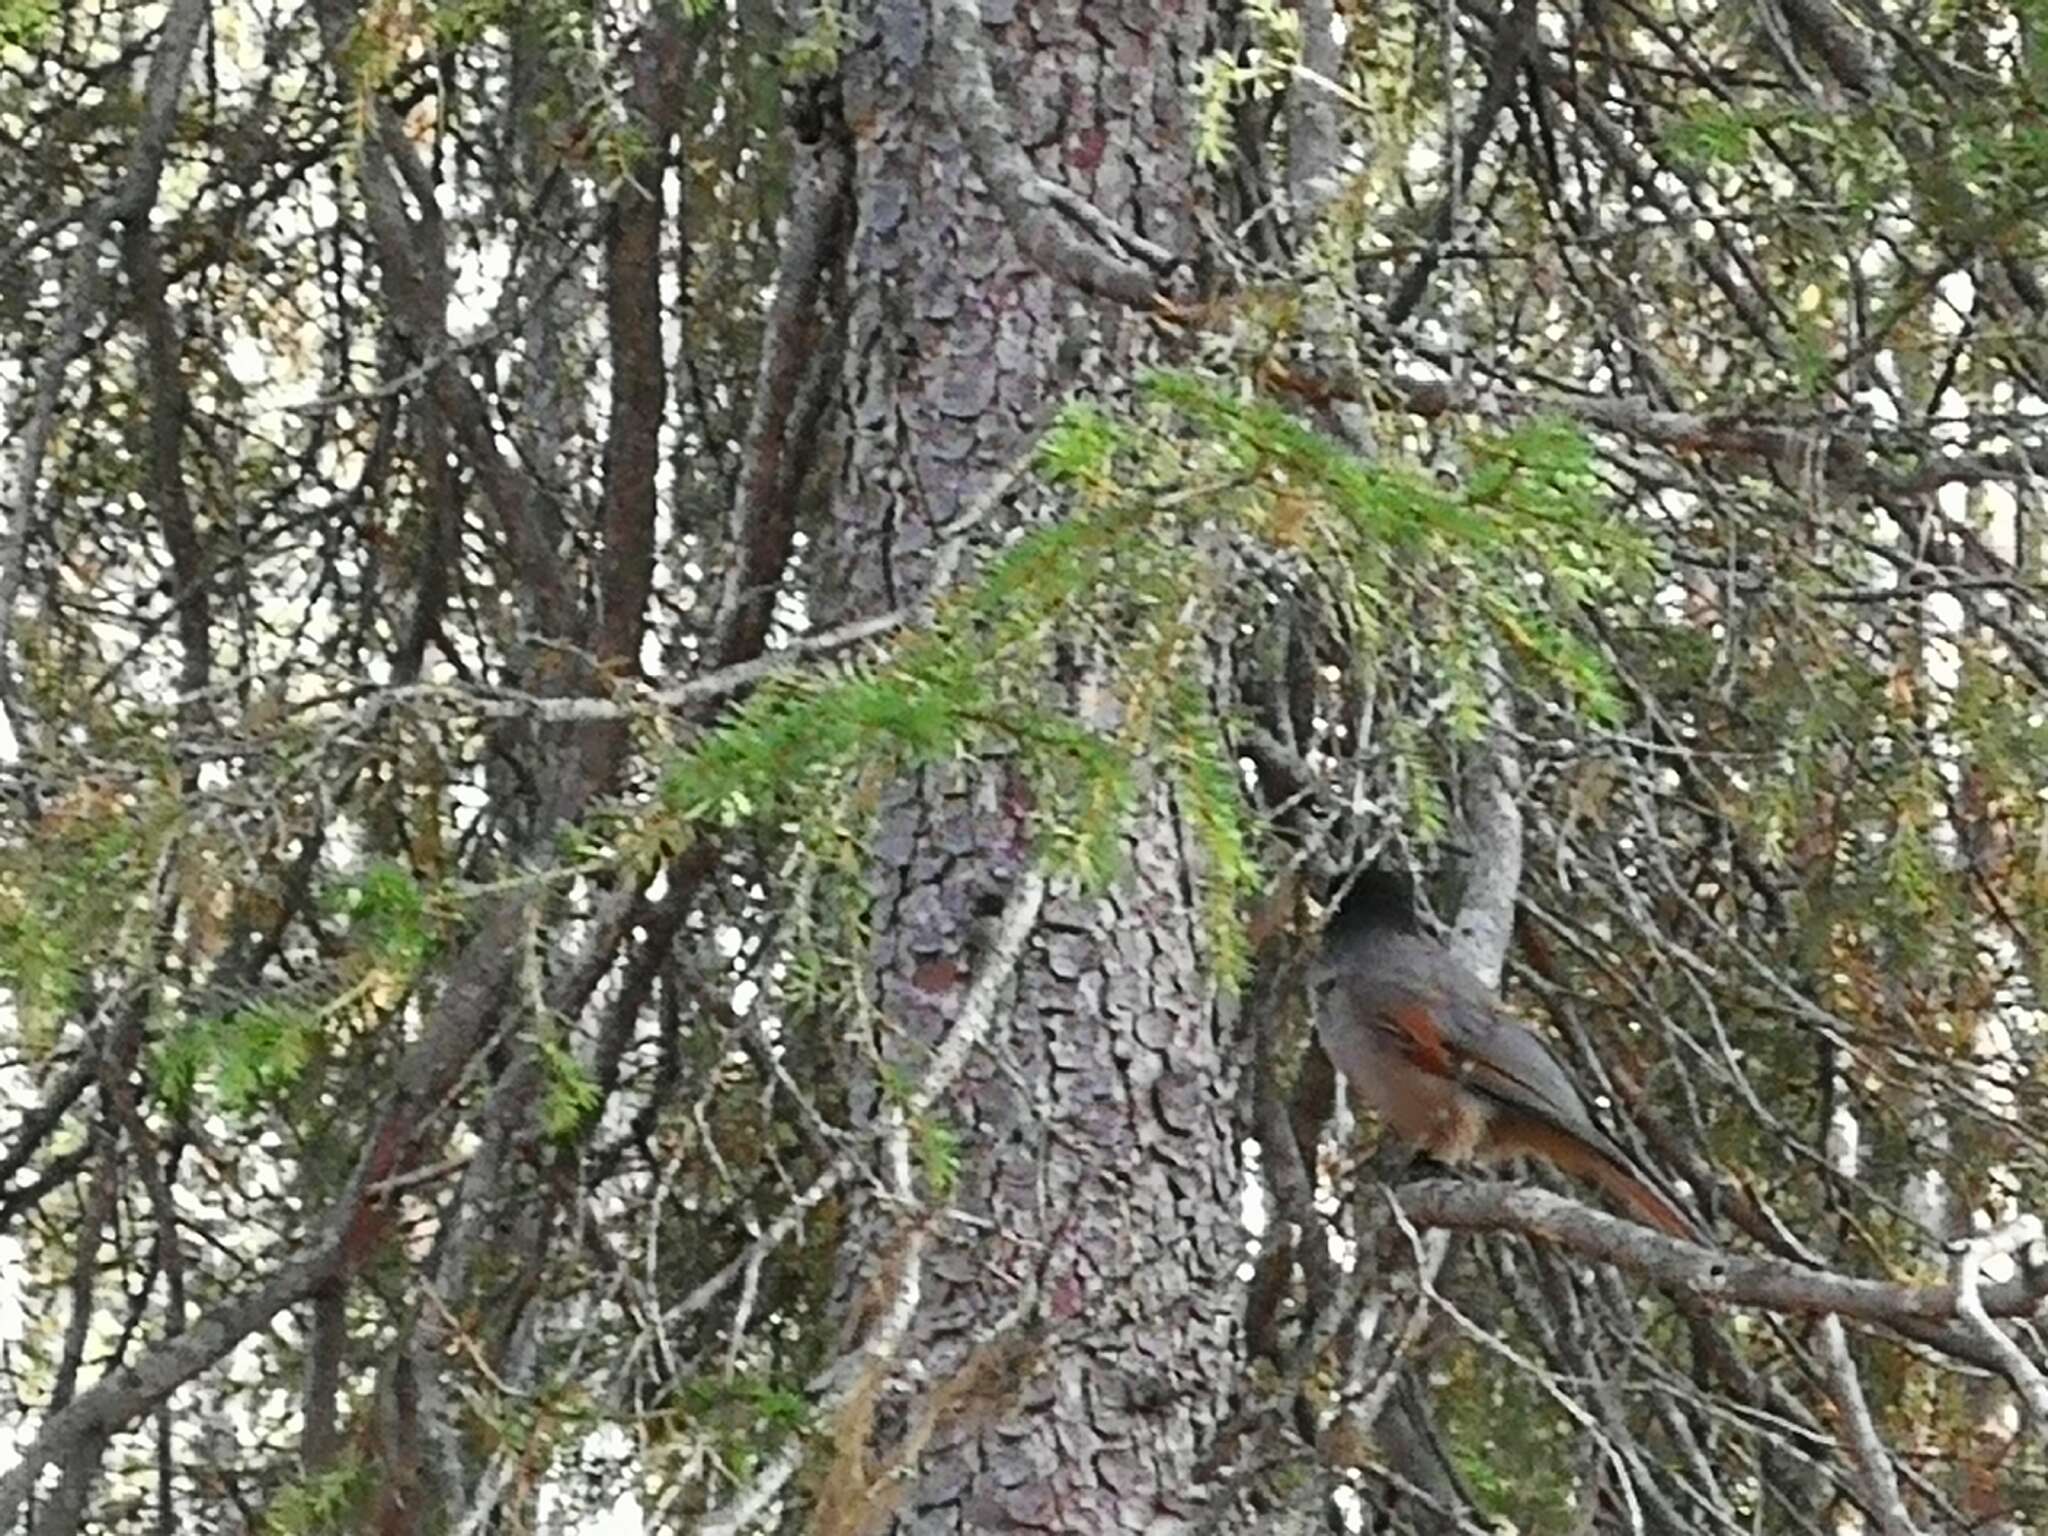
(1430, 1048)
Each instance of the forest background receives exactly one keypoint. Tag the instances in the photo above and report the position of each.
(681, 681)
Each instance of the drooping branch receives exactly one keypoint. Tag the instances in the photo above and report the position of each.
(346, 1236)
(977, 1016)
(693, 697)
(1873, 1463)
(2027, 1377)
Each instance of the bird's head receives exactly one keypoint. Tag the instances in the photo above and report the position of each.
(1371, 900)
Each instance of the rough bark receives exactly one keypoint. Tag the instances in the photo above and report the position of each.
(1096, 1122)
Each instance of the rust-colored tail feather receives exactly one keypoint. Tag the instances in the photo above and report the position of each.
(1526, 1134)
(1644, 1201)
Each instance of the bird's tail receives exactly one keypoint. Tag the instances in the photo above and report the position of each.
(1613, 1173)
(1625, 1185)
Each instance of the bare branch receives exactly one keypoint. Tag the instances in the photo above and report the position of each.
(1872, 1461)
(1776, 1285)
(1493, 828)
(977, 1015)
(2026, 1377)
(859, 1371)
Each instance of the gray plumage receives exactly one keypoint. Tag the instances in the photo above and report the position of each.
(1430, 1050)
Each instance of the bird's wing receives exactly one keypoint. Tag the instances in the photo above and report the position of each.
(1509, 1063)
(1417, 1000)
(1406, 1023)
(1446, 1037)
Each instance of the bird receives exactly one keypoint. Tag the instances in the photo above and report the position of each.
(1427, 1046)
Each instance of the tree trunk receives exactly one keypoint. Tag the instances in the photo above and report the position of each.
(1099, 1177)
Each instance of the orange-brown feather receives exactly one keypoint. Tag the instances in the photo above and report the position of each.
(1425, 1042)
(1513, 1134)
